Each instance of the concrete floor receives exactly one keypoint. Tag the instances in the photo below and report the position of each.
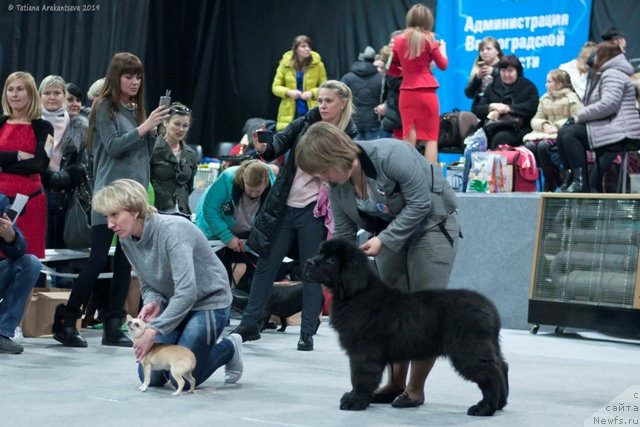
(555, 381)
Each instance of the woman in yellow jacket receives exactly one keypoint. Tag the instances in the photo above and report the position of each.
(298, 77)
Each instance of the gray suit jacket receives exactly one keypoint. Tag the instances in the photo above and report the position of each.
(408, 188)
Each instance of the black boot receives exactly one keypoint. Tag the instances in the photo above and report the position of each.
(64, 327)
(305, 343)
(566, 178)
(112, 334)
(578, 185)
(549, 174)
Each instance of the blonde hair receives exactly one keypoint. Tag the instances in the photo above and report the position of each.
(324, 146)
(52, 80)
(485, 41)
(123, 194)
(561, 77)
(419, 29)
(588, 49)
(252, 173)
(34, 108)
(344, 93)
(95, 89)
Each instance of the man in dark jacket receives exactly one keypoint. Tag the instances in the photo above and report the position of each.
(18, 274)
(365, 83)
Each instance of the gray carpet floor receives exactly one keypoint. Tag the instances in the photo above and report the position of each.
(555, 381)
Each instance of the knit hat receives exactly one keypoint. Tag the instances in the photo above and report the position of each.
(611, 33)
(368, 55)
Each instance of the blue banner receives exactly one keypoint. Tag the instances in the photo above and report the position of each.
(542, 33)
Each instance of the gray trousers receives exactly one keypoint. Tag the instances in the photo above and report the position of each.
(425, 262)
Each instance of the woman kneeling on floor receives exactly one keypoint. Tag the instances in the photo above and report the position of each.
(186, 294)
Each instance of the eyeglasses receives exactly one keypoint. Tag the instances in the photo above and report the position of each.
(180, 109)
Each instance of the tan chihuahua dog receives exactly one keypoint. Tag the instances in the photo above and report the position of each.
(179, 360)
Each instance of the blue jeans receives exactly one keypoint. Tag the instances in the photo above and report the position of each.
(17, 279)
(368, 134)
(296, 225)
(199, 332)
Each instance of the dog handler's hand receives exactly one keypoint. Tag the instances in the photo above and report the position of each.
(143, 344)
(372, 247)
(149, 311)
(235, 244)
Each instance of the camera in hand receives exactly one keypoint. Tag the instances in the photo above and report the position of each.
(265, 136)
(166, 99)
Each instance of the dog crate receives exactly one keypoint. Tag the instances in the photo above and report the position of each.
(585, 266)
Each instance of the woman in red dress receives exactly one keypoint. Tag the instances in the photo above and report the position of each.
(23, 135)
(414, 51)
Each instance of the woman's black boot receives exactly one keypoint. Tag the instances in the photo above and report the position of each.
(549, 174)
(566, 178)
(112, 334)
(578, 185)
(64, 327)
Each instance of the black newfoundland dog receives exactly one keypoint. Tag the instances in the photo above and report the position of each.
(378, 325)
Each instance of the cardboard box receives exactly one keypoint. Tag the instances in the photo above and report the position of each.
(41, 307)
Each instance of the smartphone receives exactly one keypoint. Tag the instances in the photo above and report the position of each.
(166, 99)
(265, 136)
(12, 215)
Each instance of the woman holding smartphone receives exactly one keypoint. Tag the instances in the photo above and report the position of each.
(485, 68)
(287, 215)
(120, 140)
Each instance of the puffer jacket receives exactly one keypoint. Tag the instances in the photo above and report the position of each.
(268, 217)
(365, 83)
(555, 107)
(285, 80)
(172, 178)
(610, 109)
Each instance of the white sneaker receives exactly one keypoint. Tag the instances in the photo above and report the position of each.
(234, 367)
(17, 335)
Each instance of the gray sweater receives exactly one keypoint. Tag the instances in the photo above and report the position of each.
(178, 269)
(118, 151)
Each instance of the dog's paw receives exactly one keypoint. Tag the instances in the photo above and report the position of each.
(143, 387)
(176, 393)
(349, 402)
(481, 410)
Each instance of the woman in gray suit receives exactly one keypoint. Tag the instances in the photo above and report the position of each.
(388, 189)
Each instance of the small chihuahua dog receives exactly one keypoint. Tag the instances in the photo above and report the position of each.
(178, 359)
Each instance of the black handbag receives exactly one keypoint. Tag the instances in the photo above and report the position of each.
(77, 225)
(504, 122)
(455, 126)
